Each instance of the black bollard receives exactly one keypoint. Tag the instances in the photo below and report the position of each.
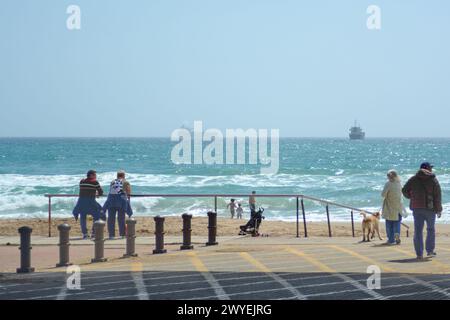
(131, 238)
(187, 232)
(64, 245)
(212, 228)
(25, 250)
(159, 235)
(99, 229)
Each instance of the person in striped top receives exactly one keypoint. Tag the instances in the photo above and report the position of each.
(87, 204)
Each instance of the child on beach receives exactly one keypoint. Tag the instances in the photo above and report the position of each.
(232, 206)
(239, 211)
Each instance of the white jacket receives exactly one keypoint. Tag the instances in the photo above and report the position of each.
(393, 200)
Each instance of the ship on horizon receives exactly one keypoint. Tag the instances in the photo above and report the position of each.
(356, 132)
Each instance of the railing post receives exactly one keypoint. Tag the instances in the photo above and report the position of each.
(159, 235)
(328, 220)
(99, 229)
(186, 232)
(64, 245)
(49, 216)
(131, 238)
(25, 250)
(215, 204)
(298, 233)
(304, 219)
(353, 225)
(212, 228)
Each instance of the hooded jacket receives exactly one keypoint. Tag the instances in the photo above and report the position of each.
(424, 191)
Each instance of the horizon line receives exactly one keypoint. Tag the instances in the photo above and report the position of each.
(168, 137)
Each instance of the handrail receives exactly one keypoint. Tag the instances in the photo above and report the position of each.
(227, 195)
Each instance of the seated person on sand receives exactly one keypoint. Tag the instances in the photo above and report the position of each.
(118, 203)
(232, 206)
(87, 204)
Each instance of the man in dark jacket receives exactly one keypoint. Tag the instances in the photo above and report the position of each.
(424, 193)
(87, 204)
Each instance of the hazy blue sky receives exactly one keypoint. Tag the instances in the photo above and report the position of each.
(143, 68)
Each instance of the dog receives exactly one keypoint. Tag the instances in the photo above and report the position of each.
(371, 223)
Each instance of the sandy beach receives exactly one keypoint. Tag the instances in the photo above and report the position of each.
(226, 227)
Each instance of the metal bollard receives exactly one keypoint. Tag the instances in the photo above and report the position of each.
(187, 219)
(25, 250)
(99, 229)
(131, 236)
(64, 245)
(159, 235)
(212, 228)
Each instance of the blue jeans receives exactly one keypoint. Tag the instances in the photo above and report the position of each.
(83, 223)
(112, 212)
(393, 228)
(420, 217)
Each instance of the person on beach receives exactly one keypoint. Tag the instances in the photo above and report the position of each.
(118, 204)
(239, 211)
(232, 206)
(424, 192)
(392, 207)
(87, 205)
(252, 202)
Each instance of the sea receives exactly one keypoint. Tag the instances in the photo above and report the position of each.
(348, 172)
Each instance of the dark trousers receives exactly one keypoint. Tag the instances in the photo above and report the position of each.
(112, 212)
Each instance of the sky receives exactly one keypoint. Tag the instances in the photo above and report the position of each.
(143, 68)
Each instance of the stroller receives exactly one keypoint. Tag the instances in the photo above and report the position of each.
(252, 226)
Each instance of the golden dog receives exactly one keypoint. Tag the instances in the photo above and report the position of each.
(371, 223)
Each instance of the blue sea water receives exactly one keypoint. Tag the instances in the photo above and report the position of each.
(348, 172)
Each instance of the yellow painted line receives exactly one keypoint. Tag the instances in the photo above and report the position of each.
(137, 267)
(320, 265)
(197, 262)
(438, 264)
(256, 263)
(363, 258)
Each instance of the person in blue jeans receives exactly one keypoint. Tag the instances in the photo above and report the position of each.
(425, 196)
(118, 204)
(87, 205)
(392, 207)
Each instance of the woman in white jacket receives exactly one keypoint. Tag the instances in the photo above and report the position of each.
(392, 207)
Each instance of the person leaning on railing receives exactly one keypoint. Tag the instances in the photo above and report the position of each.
(118, 204)
(87, 204)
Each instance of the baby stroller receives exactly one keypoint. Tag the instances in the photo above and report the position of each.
(252, 226)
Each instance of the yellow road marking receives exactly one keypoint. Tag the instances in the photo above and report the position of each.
(256, 263)
(363, 258)
(320, 265)
(438, 264)
(198, 264)
(137, 267)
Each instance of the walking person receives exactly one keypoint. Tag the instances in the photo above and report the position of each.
(118, 204)
(232, 205)
(392, 207)
(239, 211)
(425, 196)
(87, 205)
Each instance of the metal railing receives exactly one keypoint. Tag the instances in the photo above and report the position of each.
(300, 205)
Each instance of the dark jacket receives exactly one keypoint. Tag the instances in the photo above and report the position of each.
(424, 191)
(90, 188)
